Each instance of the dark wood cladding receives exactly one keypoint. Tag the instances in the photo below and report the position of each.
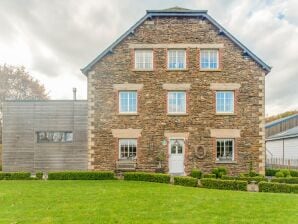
(22, 119)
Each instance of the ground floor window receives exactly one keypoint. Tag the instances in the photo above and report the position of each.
(127, 148)
(225, 149)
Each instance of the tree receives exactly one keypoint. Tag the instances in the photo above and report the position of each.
(17, 84)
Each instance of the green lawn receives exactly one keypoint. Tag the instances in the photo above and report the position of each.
(138, 202)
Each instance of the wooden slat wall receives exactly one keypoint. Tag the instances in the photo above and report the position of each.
(282, 126)
(22, 119)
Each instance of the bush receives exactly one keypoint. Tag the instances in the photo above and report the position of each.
(287, 180)
(150, 177)
(195, 173)
(39, 175)
(279, 174)
(294, 173)
(15, 176)
(81, 175)
(237, 185)
(186, 181)
(283, 173)
(278, 187)
(257, 179)
(0, 167)
(211, 175)
(219, 171)
(271, 172)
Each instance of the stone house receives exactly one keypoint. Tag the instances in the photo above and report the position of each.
(176, 92)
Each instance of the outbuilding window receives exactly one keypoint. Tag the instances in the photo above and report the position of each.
(54, 136)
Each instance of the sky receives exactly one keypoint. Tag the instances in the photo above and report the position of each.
(54, 39)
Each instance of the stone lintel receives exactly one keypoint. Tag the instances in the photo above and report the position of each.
(183, 135)
(152, 46)
(225, 133)
(225, 86)
(126, 133)
(181, 86)
(128, 86)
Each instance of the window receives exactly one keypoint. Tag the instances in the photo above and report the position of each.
(128, 102)
(209, 59)
(54, 136)
(177, 102)
(127, 148)
(224, 102)
(176, 59)
(144, 59)
(225, 149)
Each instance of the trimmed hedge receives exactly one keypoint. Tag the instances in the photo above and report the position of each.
(271, 172)
(150, 177)
(81, 175)
(294, 173)
(287, 180)
(39, 175)
(186, 181)
(237, 185)
(195, 173)
(257, 179)
(220, 171)
(278, 187)
(15, 176)
(210, 175)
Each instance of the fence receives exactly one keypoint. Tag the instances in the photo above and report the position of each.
(280, 163)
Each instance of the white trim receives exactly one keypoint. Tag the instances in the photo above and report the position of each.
(129, 139)
(233, 148)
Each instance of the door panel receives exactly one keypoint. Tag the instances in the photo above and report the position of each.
(176, 156)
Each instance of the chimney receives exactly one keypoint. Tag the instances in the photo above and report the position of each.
(74, 90)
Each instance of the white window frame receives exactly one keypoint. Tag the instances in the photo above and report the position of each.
(209, 57)
(233, 100)
(119, 102)
(168, 102)
(130, 140)
(233, 147)
(142, 51)
(176, 55)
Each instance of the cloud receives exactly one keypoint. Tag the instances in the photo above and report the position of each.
(54, 39)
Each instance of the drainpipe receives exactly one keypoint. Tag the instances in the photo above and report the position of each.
(74, 90)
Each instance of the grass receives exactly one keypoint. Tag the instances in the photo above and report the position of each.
(138, 202)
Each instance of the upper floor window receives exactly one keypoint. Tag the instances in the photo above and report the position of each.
(177, 59)
(225, 149)
(144, 59)
(176, 102)
(128, 101)
(54, 136)
(209, 59)
(225, 101)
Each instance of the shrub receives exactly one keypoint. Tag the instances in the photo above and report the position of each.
(81, 175)
(219, 171)
(287, 180)
(0, 167)
(211, 175)
(257, 179)
(271, 172)
(186, 181)
(15, 176)
(39, 175)
(294, 173)
(237, 185)
(150, 177)
(279, 174)
(195, 173)
(278, 187)
(286, 172)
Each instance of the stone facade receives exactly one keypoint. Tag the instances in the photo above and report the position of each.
(152, 123)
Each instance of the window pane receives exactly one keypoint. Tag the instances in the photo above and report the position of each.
(225, 101)
(176, 59)
(128, 148)
(224, 149)
(209, 59)
(177, 102)
(128, 101)
(143, 59)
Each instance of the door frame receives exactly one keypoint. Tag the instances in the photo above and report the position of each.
(183, 151)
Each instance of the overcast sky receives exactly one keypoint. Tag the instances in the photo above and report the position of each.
(53, 39)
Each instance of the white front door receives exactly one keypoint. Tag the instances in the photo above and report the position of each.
(176, 156)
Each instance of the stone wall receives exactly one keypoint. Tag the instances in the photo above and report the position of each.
(244, 75)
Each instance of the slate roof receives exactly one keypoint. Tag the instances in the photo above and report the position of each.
(177, 11)
(290, 133)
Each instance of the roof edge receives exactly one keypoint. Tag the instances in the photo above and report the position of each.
(184, 12)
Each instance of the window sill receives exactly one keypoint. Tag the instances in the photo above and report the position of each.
(177, 70)
(227, 114)
(173, 114)
(142, 70)
(210, 70)
(128, 114)
(225, 162)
